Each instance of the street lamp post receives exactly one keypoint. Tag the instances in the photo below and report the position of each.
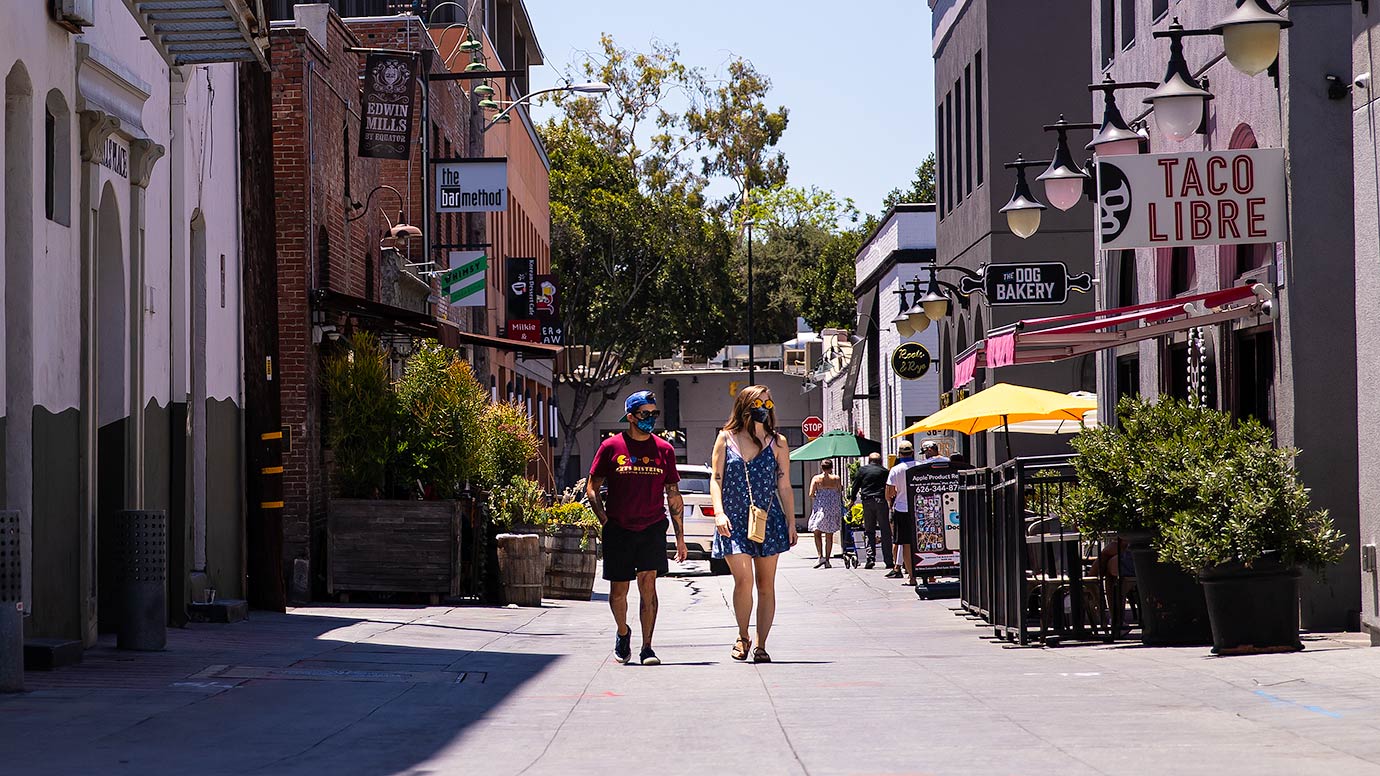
(590, 87)
(751, 335)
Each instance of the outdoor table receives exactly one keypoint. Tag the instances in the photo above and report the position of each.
(1071, 558)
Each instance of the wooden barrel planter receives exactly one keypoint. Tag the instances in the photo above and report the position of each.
(521, 568)
(570, 567)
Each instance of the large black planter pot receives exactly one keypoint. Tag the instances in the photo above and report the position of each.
(1173, 611)
(1253, 610)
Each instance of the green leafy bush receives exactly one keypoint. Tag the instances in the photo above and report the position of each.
(442, 443)
(517, 502)
(363, 416)
(1207, 488)
(509, 444)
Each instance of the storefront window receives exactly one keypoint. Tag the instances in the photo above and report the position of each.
(1254, 371)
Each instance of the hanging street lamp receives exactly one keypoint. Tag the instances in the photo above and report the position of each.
(1023, 210)
(1180, 102)
(1065, 181)
(1114, 136)
(1250, 35)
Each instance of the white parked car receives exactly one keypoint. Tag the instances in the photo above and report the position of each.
(698, 517)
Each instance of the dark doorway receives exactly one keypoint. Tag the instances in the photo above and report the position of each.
(1253, 368)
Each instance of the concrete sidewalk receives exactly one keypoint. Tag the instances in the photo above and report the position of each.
(867, 680)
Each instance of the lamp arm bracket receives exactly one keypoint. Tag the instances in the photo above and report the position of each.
(1072, 125)
(1022, 164)
(1117, 86)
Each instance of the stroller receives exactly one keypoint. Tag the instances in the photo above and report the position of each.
(848, 544)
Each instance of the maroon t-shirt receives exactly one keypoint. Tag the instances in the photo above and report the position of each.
(637, 474)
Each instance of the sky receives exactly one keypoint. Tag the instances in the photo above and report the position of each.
(856, 76)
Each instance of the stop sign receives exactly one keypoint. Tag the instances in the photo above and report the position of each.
(812, 427)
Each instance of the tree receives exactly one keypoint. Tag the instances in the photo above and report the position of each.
(921, 189)
(642, 271)
(644, 258)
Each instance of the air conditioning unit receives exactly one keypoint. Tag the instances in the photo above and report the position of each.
(73, 14)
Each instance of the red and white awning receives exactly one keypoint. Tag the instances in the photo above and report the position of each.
(1041, 340)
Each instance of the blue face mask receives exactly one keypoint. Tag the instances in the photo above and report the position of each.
(646, 425)
(760, 414)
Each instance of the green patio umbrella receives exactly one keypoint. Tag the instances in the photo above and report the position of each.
(836, 444)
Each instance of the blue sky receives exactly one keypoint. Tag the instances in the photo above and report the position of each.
(857, 76)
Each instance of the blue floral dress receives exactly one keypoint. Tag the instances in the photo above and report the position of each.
(764, 473)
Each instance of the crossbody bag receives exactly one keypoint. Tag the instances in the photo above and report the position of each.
(757, 516)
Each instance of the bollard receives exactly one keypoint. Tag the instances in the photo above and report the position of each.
(141, 573)
(11, 605)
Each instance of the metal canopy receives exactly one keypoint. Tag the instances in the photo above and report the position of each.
(202, 32)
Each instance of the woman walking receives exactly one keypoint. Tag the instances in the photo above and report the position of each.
(751, 490)
(826, 511)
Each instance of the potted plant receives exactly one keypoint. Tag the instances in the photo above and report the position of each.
(517, 505)
(1246, 532)
(401, 453)
(571, 546)
(1131, 484)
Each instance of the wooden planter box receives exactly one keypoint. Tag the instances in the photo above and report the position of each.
(376, 545)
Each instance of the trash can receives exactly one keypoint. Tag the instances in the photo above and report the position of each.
(142, 578)
(11, 605)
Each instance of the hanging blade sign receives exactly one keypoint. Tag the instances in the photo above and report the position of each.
(1043, 282)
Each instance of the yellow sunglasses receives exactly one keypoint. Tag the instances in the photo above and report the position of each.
(759, 404)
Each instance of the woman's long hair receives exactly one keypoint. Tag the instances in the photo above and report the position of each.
(741, 419)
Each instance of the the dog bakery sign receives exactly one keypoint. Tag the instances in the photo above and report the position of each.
(1200, 198)
(387, 103)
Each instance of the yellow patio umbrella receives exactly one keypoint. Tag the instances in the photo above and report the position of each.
(1001, 405)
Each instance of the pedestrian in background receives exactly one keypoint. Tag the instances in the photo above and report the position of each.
(826, 511)
(639, 469)
(870, 484)
(902, 521)
(751, 470)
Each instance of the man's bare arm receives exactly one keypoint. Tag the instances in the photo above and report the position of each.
(596, 500)
(675, 504)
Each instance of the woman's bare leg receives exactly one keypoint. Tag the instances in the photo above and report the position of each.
(741, 566)
(828, 545)
(819, 545)
(766, 597)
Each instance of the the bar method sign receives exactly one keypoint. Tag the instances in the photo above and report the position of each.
(472, 186)
(1199, 198)
(387, 118)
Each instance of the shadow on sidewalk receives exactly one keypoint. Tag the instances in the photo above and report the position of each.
(281, 693)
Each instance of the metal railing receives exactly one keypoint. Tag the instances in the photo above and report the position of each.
(1023, 570)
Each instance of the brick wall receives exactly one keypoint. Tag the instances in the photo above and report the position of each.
(315, 140)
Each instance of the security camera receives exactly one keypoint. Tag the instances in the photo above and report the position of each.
(1362, 81)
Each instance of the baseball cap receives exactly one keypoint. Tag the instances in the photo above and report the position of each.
(637, 400)
(905, 447)
(929, 444)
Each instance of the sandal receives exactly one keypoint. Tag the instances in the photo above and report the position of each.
(740, 649)
(760, 655)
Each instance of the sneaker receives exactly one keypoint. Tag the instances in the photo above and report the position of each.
(893, 574)
(622, 647)
(869, 564)
(648, 658)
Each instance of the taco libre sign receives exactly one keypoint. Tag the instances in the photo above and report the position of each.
(1200, 198)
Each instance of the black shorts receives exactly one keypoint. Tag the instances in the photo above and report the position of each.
(903, 529)
(628, 552)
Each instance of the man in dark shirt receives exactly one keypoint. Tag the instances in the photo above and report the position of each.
(639, 469)
(870, 483)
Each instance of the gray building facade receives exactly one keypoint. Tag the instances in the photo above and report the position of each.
(1292, 369)
(1365, 128)
(992, 96)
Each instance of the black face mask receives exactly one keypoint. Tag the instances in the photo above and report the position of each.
(761, 414)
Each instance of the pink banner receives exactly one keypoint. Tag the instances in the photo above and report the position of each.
(963, 370)
(1001, 350)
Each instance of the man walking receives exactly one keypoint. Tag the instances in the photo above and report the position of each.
(639, 470)
(870, 483)
(902, 521)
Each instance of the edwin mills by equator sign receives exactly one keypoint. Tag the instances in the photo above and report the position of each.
(472, 186)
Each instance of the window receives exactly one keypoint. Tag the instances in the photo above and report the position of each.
(969, 138)
(978, 139)
(1128, 23)
(1127, 376)
(943, 164)
(949, 178)
(1251, 257)
(1158, 8)
(222, 281)
(1182, 277)
(960, 138)
(1254, 370)
(1108, 32)
(694, 482)
(57, 160)
(1127, 293)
